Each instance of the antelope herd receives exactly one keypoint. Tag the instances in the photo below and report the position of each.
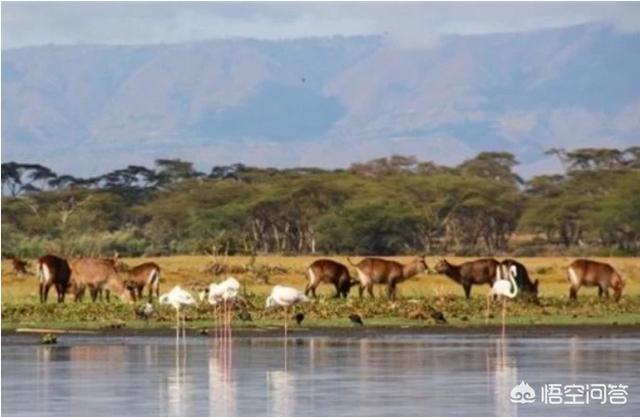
(98, 275)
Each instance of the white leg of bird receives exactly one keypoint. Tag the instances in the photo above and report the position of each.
(230, 338)
(218, 324)
(228, 335)
(226, 323)
(228, 320)
(226, 332)
(486, 319)
(177, 329)
(184, 332)
(286, 314)
(504, 311)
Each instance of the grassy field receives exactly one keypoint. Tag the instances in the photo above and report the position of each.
(21, 309)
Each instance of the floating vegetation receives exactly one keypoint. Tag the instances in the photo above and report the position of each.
(48, 339)
(117, 315)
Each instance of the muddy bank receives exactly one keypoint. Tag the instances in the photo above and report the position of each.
(27, 336)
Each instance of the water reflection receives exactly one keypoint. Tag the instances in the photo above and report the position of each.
(505, 375)
(222, 387)
(281, 385)
(444, 376)
(178, 386)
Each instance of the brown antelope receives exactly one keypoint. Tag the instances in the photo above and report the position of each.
(382, 271)
(96, 275)
(144, 275)
(525, 286)
(329, 272)
(53, 271)
(583, 272)
(478, 272)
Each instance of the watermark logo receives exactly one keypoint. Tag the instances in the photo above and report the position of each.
(571, 394)
(522, 394)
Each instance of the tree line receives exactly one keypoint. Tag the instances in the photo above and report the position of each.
(392, 205)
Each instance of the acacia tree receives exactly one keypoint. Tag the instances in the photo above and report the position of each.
(20, 178)
(171, 171)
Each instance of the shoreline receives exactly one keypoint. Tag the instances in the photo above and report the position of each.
(517, 331)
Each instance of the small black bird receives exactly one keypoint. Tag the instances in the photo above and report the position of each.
(437, 316)
(244, 315)
(299, 318)
(356, 319)
(145, 312)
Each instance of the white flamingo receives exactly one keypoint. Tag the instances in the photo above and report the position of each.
(285, 297)
(178, 299)
(504, 288)
(225, 292)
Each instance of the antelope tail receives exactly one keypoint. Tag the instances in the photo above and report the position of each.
(40, 272)
(154, 280)
(312, 276)
(44, 273)
(573, 276)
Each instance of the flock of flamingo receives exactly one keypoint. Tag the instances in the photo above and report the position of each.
(224, 294)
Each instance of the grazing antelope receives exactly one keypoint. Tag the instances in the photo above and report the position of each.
(329, 272)
(478, 272)
(144, 275)
(525, 286)
(53, 271)
(382, 271)
(583, 272)
(96, 275)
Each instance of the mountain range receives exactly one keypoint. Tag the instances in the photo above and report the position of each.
(327, 102)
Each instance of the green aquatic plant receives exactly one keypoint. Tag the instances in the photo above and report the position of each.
(327, 311)
(48, 339)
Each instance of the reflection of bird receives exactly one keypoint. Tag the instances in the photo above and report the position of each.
(503, 288)
(145, 312)
(356, 319)
(299, 318)
(437, 315)
(285, 297)
(178, 299)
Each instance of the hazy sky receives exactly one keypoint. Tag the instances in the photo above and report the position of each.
(35, 23)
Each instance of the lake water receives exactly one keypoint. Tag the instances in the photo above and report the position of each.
(433, 375)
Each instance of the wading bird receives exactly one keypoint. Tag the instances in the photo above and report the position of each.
(437, 316)
(145, 312)
(356, 319)
(503, 288)
(299, 318)
(224, 293)
(178, 299)
(244, 315)
(285, 297)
